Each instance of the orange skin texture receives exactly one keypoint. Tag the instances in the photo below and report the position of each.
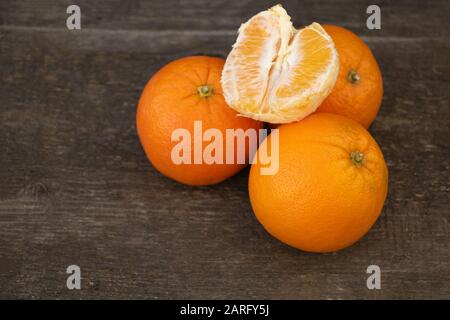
(359, 101)
(170, 101)
(319, 200)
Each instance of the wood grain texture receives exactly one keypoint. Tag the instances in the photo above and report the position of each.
(76, 187)
(400, 17)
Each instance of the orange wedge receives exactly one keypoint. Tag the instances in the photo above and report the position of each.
(278, 74)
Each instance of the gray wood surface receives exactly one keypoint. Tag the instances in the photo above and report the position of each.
(76, 187)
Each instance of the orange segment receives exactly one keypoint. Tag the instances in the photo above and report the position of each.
(277, 74)
(309, 75)
(246, 77)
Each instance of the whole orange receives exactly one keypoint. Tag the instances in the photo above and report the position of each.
(358, 91)
(330, 186)
(182, 92)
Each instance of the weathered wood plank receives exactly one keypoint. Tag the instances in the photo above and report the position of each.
(401, 18)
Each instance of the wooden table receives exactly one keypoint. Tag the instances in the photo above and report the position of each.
(76, 187)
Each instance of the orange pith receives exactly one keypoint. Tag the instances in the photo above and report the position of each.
(276, 73)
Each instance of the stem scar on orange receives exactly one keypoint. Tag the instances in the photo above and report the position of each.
(358, 91)
(330, 187)
(183, 92)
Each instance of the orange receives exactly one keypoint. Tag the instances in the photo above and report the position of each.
(358, 91)
(330, 186)
(278, 74)
(182, 92)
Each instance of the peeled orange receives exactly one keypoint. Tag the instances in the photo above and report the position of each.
(278, 74)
